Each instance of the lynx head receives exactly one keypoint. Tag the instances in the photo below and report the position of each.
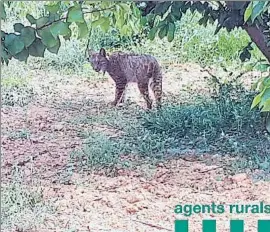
(98, 60)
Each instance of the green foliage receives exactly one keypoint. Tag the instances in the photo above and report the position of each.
(223, 125)
(17, 94)
(21, 201)
(16, 89)
(21, 134)
(164, 15)
(59, 20)
(262, 99)
(218, 126)
(96, 154)
(255, 9)
(2, 11)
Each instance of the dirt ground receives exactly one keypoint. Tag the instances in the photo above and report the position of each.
(140, 200)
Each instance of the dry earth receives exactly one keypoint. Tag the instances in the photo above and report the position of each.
(131, 201)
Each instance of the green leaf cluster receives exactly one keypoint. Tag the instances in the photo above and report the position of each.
(262, 100)
(43, 34)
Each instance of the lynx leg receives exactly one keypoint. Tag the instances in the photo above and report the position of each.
(145, 93)
(119, 92)
(156, 86)
(122, 99)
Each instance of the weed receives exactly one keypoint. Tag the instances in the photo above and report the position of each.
(98, 151)
(17, 95)
(21, 134)
(221, 124)
(21, 206)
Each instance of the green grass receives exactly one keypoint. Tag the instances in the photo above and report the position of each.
(20, 134)
(223, 124)
(22, 205)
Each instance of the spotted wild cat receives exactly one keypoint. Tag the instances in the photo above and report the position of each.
(129, 67)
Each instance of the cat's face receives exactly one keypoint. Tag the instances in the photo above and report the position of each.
(98, 60)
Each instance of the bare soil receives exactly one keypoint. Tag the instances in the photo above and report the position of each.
(140, 200)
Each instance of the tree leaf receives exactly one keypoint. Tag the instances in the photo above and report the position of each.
(163, 31)
(75, 14)
(83, 29)
(37, 48)
(248, 11)
(53, 8)
(42, 21)
(14, 43)
(264, 67)
(124, 6)
(59, 28)
(162, 7)
(258, 8)
(171, 32)
(256, 101)
(22, 56)
(266, 108)
(175, 9)
(47, 38)
(101, 21)
(105, 25)
(265, 96)
(143, 21)
(55, 48)
(120, 18)
(31, 19)
(266, 82)
(18, 27)
(67, 37)
(28, 35)
(2, 11)
(152, 33)
(53, 17)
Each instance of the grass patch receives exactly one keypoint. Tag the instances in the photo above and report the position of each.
(16, 88)
(22, 208)
(21, 134)
(222, 124)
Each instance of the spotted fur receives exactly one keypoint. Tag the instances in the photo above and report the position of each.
(129, 67)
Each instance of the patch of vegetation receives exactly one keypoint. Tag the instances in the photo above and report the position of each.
(96, 153)
(22, 207)
(21, 134)
(223, 124)
(16, 91)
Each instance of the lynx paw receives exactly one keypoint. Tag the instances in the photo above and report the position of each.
(113, 103)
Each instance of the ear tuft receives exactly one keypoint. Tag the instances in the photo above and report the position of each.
(102, 52)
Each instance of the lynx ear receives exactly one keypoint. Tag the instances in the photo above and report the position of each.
(102, 52)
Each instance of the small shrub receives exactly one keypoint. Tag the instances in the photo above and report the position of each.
(22, 207)
(98, 151)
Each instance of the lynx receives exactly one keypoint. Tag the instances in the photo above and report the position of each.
(129, 67)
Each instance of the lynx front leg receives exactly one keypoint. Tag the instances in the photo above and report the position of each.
(145, 93)
(119, 92)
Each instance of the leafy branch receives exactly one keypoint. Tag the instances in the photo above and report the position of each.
(45, 32)
(84, 13)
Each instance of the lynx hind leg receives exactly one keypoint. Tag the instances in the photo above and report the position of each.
(119, 92)
(156, 86)
(123, 97)
(143, 87)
